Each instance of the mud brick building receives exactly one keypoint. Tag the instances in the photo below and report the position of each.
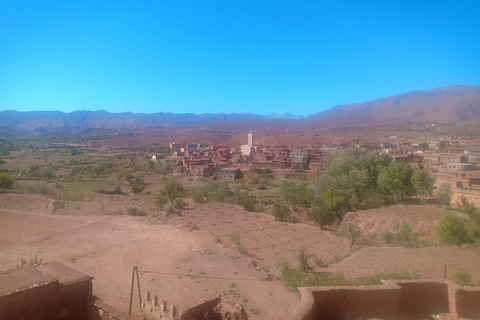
(48, 291)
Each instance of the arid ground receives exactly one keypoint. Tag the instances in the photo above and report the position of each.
(187, 258)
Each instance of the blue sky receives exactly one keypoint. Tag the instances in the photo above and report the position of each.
(230, 55)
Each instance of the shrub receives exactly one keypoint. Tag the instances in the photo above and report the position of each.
(386, 237)
(462, 278)
(58, 204)
(450, 230)
(280, 211)
(404, 236)
(137, 188)
(135, 212)
(303, 258)
(199, 194)
(179, 203)
(161, 200)
(6, 181)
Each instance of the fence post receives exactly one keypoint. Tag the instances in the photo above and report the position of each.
(445, 272)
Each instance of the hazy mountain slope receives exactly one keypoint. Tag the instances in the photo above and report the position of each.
(38, 122)
(447, 104)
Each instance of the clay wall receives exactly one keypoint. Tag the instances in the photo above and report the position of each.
(395, 300)
(198, 311)
(467, 302)
(420, 299)
(37, 303)
(75, 296)
(353, 303)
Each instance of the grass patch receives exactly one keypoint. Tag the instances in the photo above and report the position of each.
(297, 278)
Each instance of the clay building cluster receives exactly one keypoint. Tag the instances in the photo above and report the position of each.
(220, 161)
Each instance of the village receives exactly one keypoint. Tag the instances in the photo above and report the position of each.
(443, 158)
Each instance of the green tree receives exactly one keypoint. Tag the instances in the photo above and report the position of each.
(173, 190)
(404, 235)
(198, 194)
(333, 201)
(6, 180)
(354, 172)
(182, 169)
(280, 211)
(468, 208)
(137, 185)
(322, 215)
(296, 195)
(423, 183)
(161, 200)
(444, 194)
(395, 180)
(451, 230)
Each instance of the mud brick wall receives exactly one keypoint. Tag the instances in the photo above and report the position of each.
(420, 299)
(353, 303)
(75, 296)
(467, 301)
(37, 303)
(199, 310)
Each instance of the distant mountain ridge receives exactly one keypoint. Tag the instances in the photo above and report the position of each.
(446, 104)
(449, 104)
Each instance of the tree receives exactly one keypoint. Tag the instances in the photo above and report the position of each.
(423, 183)
(468, 208)
(137, 185)
(333, 201)
(352, 232)
(161, 200)
(443, 195)
(280, 211)
(450, 230)
(6, 181)
(182, 169)
(296, 194)
(355, 172)
(395, 180)
(322, 215)
(173, 190)
(404, 235)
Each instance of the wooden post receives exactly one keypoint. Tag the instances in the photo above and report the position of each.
(135, 271)
(445, 272)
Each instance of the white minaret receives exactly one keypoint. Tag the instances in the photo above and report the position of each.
(250, 139)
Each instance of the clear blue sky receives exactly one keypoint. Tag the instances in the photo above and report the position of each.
(230, 55)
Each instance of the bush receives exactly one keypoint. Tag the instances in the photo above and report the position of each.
(280, 211)
(199, 194)
(462, 278)
(58, 204)
(135, 212)
(179, 203)
(451, 230)
(137, 188)
(405, 237)
(386, 237)
(6, 181)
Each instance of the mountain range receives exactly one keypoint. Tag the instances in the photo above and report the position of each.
(446, 104)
